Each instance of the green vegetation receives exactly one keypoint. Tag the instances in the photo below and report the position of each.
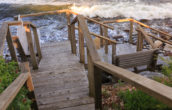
(138, 100)
(8, 73)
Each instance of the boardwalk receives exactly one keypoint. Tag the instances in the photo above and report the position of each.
(61, 81)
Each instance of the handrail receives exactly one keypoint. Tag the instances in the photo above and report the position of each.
(142, 24)
(61, 11)
(3, 34)
(151, 87)
(103, 37)
(8, 95)
(96, 67)
(89, 40)
(147, 38)
(157, 38)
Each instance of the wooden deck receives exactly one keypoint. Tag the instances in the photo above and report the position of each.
(61, 82)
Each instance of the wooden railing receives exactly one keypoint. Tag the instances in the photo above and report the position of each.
(7, 96)
(96, 67)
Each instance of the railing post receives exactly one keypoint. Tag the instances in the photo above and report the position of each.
(105, 31)
(98, 88)
(26, 69)
(90, 74)
(73, 40)
(31, 48)
(113, 51)
(139, 41)
(81, 45)
(131, 32)
(11, 46)
(35, 32)
(101, 33)
(68, 24)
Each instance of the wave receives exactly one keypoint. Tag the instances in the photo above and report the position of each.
(127, 9)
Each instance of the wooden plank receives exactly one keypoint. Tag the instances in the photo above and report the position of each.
(105, 31)
(74, 20)
(98, 88)
(44, 13)
(11, 46)
(131, 32)
(101, 33)
(13, 23)
(36, 38)
(7, 96)
(81, 107)
(73, 40)
(26, 69)
(113, 51)
(90, 74)
(158, 38)
(81, 45)
(68, 24)
(110, 27)
(90, 43)
(3, 34)
(116, 21)
(160, 91)
(19, 47)
(31, 48)
(147, 38)
(139, 38)
(67, 104)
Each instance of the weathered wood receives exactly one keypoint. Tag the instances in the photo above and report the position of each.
(105, 31)
(81, 45)
(147, 38)
(135, 59)
(57, 84)
(89, 40)
(31, 48)
(113, 51)
(139, 41)
(131, 32)
(3, 34)
(68, 24)
(116, 21)
(90, 74)
(43, 13)
(101, 33)
(73, 40)
(11, 46)
(158, 38)
(74, 20)
(13, 23)
(104, 38)
(98, 88)
(110, 27)
(19, 47)
(36, 38)
(12, 90)
(26, 69)
(160, 91)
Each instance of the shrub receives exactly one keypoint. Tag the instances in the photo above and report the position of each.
(8, 73)
(138, 100)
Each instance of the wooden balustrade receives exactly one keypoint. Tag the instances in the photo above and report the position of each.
(96, 67)
(8, 95)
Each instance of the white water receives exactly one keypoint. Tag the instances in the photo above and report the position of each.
(127, 9)
(138, 9)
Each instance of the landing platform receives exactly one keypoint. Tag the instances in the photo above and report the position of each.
(61, 82)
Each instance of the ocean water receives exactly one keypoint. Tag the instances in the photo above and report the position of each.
(138, 9)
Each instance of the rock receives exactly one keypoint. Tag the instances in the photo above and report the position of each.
(168, 48)
(158, 43)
